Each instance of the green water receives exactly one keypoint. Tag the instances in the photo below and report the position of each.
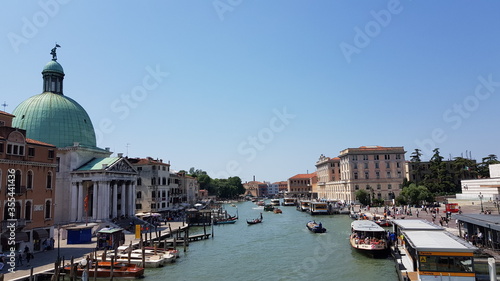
(280, 248)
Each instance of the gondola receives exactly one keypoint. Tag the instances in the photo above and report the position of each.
(255, 221)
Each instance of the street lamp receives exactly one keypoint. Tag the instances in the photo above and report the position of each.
(481, 199)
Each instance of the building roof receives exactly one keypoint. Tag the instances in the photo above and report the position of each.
(416, 224)
(146, 161)
(55, 119)
(487, 221)
(440, 241)
(6, 113)
(53, 66)
(28, 140)
(98, 164)
(304, 176)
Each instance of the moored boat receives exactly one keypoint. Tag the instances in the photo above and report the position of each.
(120, 269)
(318, 208)
(277, 211)
(368, 237)
(315, 227)
(303, 205)
(287, 201)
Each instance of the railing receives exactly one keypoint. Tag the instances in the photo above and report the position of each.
(18, 223)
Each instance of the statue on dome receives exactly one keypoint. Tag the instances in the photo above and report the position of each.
(53, 52)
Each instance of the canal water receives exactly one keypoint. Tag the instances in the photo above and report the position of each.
(280, 248)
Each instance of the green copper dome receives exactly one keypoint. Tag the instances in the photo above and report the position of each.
(55, 119)
(53, 66)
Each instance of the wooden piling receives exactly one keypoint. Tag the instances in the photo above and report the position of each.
(112, 268)
(95, 269)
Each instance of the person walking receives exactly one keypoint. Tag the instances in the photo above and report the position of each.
(28, 255)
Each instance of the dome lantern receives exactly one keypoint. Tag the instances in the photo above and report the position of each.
(53, 74)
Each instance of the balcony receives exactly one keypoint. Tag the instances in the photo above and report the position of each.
(19, 223)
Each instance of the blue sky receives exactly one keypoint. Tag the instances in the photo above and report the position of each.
(244, 88)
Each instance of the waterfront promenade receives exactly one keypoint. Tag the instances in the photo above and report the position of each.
(44, 261)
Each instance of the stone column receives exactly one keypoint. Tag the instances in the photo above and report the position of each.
(108, 200)
(131, 205)
(114, 202)
(94, 201)
(80, 209)
(74, 202)
(122, 203)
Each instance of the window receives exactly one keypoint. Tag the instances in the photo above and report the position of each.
(387, 156)
(48, 210)
(389, 186)
(355, 166)
(366, 165)
(138, 206)
(31, 151)
(379, 186)
(139, 168)
(398, 165)
(376, 165)
(1, 147)
(366, 175)
(365, 157)
(377, 175)
(15, 149)
(388, 165)
(17, 182)
(27, 211)
(51, 154)
(355, 158)
(29, 180)
(153, 194)
(153, 181)
(375, 157)
(49, 180)
(139, 181)
(356, 187)
(388, 175)
(399, 174)
(139, 194)
(355, 176)
(398, 156)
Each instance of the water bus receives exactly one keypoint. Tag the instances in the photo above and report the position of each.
(303, 205)
(275, 202)
(368, 237)
(289, 201)
(318, 208)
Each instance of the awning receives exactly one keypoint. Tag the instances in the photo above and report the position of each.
(39, 234)
(18, 236)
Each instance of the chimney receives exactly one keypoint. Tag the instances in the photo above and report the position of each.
(254, 178)
(120, 155)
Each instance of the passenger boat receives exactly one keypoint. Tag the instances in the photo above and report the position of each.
(304, 205)
(268, 208)
(318, 208)
(277, 211)
(255, 221)
(289, 201)
(120, 269)
(368, 237)
(275, 202)
(315, 227)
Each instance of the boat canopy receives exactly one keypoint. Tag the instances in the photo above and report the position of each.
(366, 225)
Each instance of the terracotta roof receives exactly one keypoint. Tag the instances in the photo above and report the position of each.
(6, 113)
(304, 176)
(28, 140)
(146, 161)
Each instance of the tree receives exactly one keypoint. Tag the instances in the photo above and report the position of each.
(415, 195)
(415, 156)
(483, 168)
(363, 197)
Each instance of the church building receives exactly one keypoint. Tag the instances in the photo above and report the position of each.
(90, 184)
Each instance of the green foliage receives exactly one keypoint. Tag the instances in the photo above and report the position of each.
(363, 197)
(228, 188)
(415, 195)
